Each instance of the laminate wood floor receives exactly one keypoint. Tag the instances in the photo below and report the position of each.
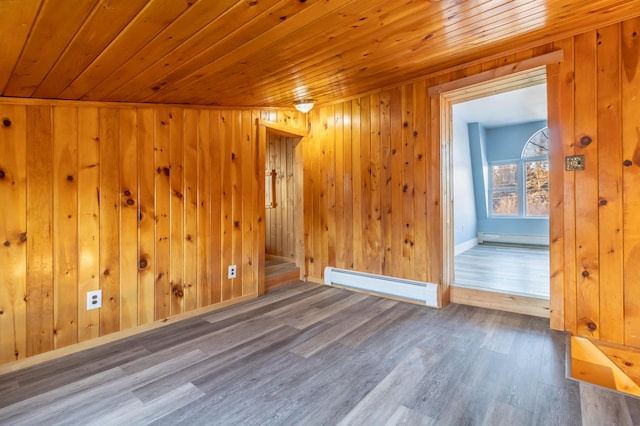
(514, 270)
(315, 355)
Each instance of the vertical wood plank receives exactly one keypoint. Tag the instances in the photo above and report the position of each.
(88, 219)
(330, 191)
(385, 180)
(259, 148)
(236, 199)
(13, 225)
(556, 190)
(365, 239)
(176, 216)
(146, 216)
(309, 196)
(631, 177)
(356, 154)
(216, 151)
(204, 202)
(588, 288)
(420, 120)
(408, 141)
(397, 231)
(226, 170)
(248, 194)
(339, 187)
(609, 185)
(65, 225)
(190, 209)
(315, 155)
(375, 232)
(109, 220)
(162, 212)
(567, 118)
(39, 230)
(347, 177)
(434, 209)
(128, 200)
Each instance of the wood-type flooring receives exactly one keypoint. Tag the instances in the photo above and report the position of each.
(313, 355)
(522, 271)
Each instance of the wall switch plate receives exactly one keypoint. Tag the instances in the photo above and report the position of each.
(94, 299)
(574, 162)
(231, 271)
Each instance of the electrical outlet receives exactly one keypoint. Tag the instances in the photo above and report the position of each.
(232, 271)
(94, 299)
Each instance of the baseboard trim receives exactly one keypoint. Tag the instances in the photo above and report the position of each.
(467, 245)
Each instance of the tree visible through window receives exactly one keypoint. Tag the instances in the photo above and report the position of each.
(504, 191)
(521, 188)
(536, 165)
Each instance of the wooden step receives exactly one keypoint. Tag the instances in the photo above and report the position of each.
(605, 364)
(279, 272)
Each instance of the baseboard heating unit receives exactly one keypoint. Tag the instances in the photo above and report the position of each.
(415, 291)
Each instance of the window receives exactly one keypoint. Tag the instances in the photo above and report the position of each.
(504, 189)
(521, 188)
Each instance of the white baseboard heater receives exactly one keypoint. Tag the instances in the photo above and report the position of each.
(416, 291)
(532, 240)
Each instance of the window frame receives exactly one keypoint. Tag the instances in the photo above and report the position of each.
(521, 187)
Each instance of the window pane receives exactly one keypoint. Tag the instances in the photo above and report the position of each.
(537, 188)
(504, 202)
(504, 176)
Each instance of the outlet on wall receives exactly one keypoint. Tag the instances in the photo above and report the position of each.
(231, 271)
(94, 299)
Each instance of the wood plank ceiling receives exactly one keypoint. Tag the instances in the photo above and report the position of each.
(264, 52)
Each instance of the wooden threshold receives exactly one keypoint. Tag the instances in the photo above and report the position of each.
(500, 301)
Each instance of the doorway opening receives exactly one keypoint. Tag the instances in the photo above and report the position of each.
(283, 203)
(497, 211)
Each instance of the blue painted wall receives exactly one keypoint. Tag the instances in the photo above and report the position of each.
(500, 144)
(464, 207)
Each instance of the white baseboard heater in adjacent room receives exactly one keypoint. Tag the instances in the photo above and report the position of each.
(415, 291)
(533, 240)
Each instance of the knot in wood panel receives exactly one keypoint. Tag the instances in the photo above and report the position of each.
(586, 140)
(2, 174)
(585, 274)
(627, 163)
(142, 264)
(6, 122)
(592, 326)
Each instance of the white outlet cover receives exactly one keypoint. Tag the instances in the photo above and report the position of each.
(94, 299)
(231, 271)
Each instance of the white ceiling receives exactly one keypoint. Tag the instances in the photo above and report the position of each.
(515, 107)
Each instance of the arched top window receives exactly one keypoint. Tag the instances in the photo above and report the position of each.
(521, 188)
(537, 145)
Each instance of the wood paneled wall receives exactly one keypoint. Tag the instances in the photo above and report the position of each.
(366, 174)
(149, 205)
(595, 104)
(372, 180)
(280, 230)
(372, 170)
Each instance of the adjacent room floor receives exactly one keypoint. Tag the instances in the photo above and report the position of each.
(522, 271)
(314, 355)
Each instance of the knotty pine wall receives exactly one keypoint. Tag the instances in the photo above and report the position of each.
(148, 204)
(372, 182)
(279, 221)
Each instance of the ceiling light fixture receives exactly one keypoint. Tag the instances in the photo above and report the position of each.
(304, 106)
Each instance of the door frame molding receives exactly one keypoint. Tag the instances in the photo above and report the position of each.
(441, 99)
(265, 127)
